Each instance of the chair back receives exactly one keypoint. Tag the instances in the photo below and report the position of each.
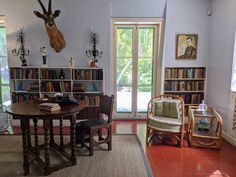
(106, 106)
(166, 96)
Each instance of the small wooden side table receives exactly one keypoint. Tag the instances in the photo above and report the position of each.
(209, 137)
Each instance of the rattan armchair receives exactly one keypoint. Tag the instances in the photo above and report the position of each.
(165, 121)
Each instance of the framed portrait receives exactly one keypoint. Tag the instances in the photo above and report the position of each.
(186, 46)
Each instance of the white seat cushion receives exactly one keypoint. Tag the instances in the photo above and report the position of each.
(165, 123)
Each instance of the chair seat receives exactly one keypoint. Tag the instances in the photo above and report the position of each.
(165, 124)
(94, 123)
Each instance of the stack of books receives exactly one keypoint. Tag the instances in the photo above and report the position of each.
(49, 107)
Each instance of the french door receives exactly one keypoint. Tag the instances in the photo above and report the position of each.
(134, 58)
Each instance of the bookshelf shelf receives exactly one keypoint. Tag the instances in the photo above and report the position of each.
(187, 82)
(25, 92)
(88, 92)
(33, 82)
(88, 80)
(25, 79)
(56, 80)
(184, 91)
(183, 79)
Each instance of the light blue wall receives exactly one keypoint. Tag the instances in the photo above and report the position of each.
(221, 49)
(187, 17)
(137, 8)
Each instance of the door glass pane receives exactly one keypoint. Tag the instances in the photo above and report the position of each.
(4, 73)
(6, 100)
(3, 42)
(124, 70)
(4, 70)
(145, 67)
(124, 42)
(146, 41)
(144, 83)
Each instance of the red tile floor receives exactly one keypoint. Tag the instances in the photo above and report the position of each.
(172, 161)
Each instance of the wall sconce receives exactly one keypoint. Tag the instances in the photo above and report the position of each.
(94, 52)
(21, 51)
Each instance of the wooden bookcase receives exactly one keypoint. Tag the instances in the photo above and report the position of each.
(187, 82)
(33, 82)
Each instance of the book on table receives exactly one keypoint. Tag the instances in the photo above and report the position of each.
(49, 106)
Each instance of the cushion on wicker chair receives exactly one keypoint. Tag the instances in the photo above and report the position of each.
(166, 108)
(165, 123)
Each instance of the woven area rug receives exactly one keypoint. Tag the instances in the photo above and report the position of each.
(127, 159)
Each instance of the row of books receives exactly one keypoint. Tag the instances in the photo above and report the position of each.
(84, 74)
(184, 85)
(24, 73)
(49, 107)
(33, 87)
(23, 97)
(191, 98)
(185, 73)
(78, 87)
(93, 100)
(50, 74)
(27, 86)
(56, 86)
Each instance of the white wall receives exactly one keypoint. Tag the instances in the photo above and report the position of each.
(223, 23)
(77, 19)
(183, 17)
(137, 8)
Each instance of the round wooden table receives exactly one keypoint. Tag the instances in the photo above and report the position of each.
(29, 110)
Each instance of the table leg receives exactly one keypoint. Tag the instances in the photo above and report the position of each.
(36, 138)
(51, 132)
(46, 126)
(61, 133)
(28, 134)
(24, 127)
(72, 138)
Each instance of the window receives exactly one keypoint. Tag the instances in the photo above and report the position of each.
(4, 82)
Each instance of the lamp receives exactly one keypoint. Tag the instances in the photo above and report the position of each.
(21, 51)
(94, 52)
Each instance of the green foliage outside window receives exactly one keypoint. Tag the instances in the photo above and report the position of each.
(3, 42)
(145, 60)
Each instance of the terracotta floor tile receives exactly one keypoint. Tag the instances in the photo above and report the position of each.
(170, 168)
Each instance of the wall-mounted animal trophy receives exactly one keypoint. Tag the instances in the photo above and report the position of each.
(56, 39)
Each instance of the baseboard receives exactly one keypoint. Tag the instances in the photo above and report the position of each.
(229, 138)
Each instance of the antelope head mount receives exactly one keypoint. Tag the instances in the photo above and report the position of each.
(56, 38)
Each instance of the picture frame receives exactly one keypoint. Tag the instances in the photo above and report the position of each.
(186, 46)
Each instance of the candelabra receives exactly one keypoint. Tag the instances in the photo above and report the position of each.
(94, 52)
(21, 51)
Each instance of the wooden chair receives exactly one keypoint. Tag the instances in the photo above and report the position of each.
(167, 122)
(95, 126)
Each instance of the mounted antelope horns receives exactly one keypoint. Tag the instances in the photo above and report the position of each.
(56, 38)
